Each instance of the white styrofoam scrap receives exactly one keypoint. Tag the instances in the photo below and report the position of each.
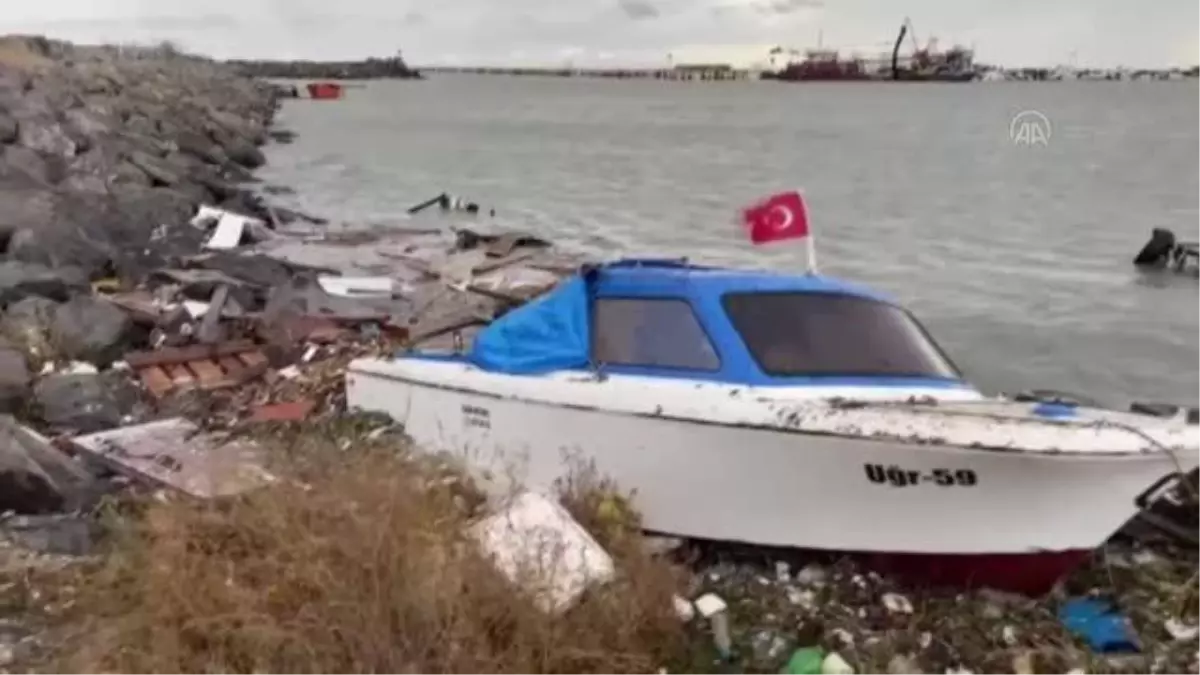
(812, 575)
(1009, 634)
(710, 604)
(356, 286)
(803, 598)
(535, 542)
(834, 664)
(230, 229)
(783, 571)
(1180, 630)
(195, 308)
(289, 373)
(897, 604)
(79, 368)
(206, 213)
(683, 609)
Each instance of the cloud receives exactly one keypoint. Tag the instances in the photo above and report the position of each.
(785, 6)
(638, 9)
(166, 22)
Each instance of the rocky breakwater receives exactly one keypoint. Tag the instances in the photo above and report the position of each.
(100, 148)
(105, 155)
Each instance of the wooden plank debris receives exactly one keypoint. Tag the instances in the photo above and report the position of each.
(173, 453)
(204, 367)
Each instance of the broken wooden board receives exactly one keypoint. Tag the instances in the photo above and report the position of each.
(173, 453)
(203, 367)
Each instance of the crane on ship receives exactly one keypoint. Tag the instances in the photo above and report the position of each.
(927, 63)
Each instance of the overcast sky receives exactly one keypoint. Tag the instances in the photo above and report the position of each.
(1101, 33)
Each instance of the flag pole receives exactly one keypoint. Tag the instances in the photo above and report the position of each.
(811, 248)
(810, 245)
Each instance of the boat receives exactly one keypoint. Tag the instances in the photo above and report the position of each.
(1164, 252)
(821, 65)
(928, 64)
(798, 411)
(324, 90)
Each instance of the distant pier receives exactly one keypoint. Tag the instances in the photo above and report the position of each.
(682, 72)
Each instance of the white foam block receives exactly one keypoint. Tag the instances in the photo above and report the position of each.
(538, 546)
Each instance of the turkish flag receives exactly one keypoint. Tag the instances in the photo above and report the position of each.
(778, 217)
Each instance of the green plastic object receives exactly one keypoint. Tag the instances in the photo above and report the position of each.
(805, 661)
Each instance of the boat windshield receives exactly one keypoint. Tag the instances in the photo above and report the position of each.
(794, 334)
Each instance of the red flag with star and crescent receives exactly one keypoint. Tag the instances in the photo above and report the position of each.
(776, 218)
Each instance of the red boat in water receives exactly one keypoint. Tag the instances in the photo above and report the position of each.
(324, 90)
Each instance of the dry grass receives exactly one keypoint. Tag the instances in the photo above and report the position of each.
(364, 569)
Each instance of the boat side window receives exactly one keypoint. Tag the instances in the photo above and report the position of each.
(651, 332)
(831, 334)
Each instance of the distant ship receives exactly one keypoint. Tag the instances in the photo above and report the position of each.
(923, 65)
(956, 64)
(821, 65)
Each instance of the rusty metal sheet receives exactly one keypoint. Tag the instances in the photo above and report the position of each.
(173, 453)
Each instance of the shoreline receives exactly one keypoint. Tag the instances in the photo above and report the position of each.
(106, 160)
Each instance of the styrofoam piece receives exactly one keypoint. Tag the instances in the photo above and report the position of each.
(710, 604)
(356, 285)
(683, 609)
(206, 213)
(228, 233)
(195, 308)
(834, 664)
(537, 545)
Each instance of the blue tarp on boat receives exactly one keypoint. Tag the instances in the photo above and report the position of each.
(550, 333)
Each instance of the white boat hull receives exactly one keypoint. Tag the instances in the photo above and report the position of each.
(711, 477)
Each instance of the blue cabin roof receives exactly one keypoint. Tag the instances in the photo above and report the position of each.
(672, 319)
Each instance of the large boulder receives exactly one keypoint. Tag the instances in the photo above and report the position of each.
(17, 160)
(89, 329)
(25, 325)
(24, 205)
(14, 378)
(8, 128)
(46, 135)
(36, 477)
(84, 403)
(20, 280)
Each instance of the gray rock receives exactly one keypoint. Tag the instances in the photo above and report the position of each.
(159, 171)
(8, 128)
(35, 477)
(200, 145)
(24, 204)
(24, 487)
(244, 152)
(90, 329)
(14, 378)
(17, 159)
(20, 280)
(26, 325)
(46, 135)
(90, 123)
(100, 167)
(84, 403)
